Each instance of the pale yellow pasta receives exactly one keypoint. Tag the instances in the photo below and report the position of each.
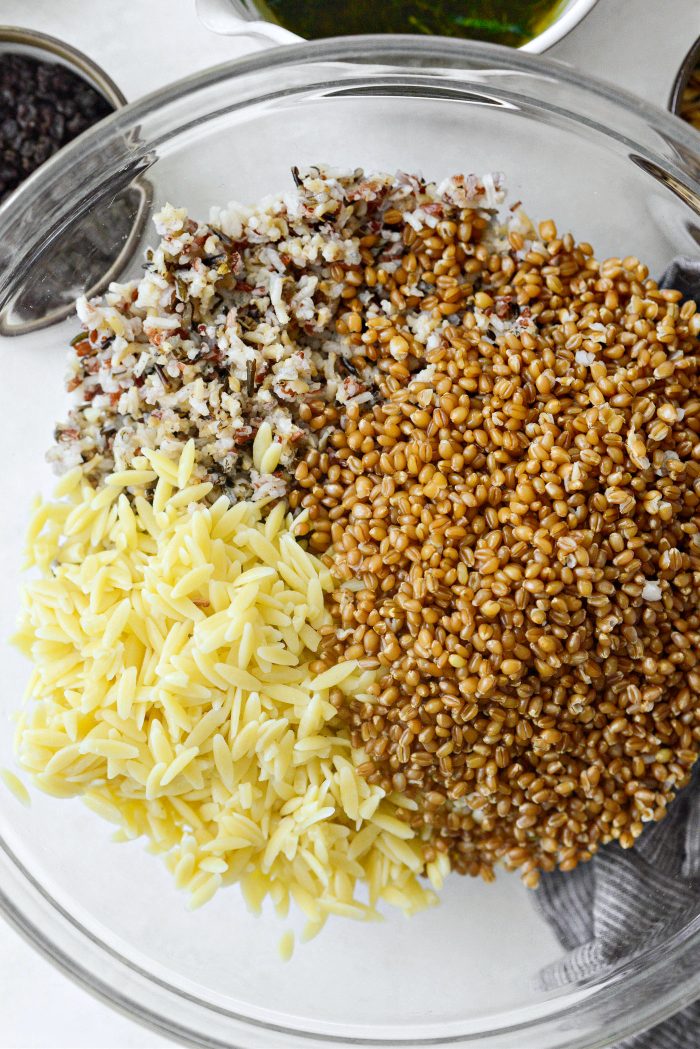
(172, 644)
(286, 945)
(261, 444)
(15, 786)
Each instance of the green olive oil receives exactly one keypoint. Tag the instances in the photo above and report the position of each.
(511, 22)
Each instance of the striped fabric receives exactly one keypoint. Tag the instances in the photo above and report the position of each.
(606, 911)
(616, 906)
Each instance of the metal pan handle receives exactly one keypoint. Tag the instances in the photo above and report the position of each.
(638, 45)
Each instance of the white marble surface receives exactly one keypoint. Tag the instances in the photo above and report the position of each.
(39, 1006)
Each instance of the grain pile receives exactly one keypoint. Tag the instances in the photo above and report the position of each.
(177, 691)
(520, 522)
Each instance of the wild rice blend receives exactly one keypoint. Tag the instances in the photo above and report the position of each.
(496, 440)
(233, 322)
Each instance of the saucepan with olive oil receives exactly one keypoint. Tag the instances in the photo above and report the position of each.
(534, 25)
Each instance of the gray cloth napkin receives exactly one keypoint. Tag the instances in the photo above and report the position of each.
(623, 900)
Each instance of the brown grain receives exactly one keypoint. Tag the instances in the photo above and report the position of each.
(510, 518)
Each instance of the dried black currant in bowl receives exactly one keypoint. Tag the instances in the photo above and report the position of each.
(43, 105)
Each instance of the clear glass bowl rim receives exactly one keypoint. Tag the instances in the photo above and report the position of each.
(24, 902)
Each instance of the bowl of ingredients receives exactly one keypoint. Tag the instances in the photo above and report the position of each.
(690, 100)
(685, 99)
(530, 26)
(358, 632)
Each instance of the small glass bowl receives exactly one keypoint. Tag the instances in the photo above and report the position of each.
(616, 172)
(50, 49)
(48, 297)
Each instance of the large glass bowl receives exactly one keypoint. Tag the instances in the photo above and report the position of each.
(617, 173)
